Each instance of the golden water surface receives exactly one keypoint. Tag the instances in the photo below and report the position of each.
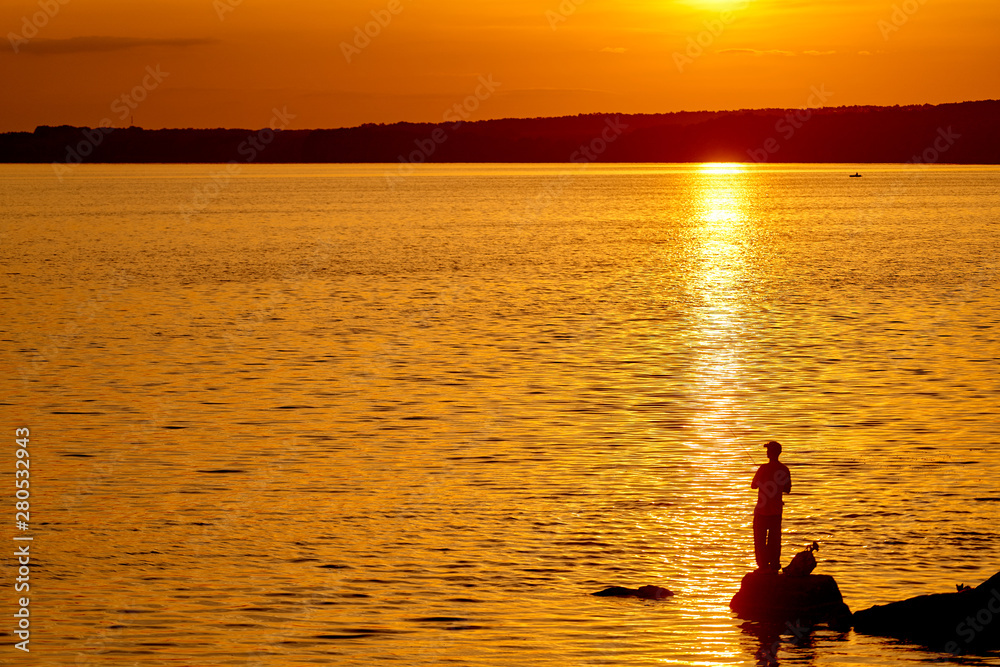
(298, 415)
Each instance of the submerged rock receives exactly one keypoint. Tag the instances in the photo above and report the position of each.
(968, 620)
(773, 597)
(644, 592)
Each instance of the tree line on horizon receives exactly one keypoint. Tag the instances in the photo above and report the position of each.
(959, 133)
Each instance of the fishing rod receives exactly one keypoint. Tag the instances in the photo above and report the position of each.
(741, 445)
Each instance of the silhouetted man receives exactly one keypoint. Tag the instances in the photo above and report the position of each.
(772, 479)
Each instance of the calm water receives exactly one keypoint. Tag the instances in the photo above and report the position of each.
(295, 416)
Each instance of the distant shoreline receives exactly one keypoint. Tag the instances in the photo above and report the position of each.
(961, 133)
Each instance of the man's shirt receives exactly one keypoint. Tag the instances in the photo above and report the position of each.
(772, 479)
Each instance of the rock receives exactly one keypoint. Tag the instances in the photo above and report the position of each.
(960, 622)
(644, 592)
(773, 597)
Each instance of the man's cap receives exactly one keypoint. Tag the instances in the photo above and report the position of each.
(772, 444)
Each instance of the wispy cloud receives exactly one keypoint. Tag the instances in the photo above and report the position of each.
(756, 52)
(41, 46)
(774, 52)
(613, 49)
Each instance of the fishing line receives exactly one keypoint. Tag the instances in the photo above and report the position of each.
(741, 445)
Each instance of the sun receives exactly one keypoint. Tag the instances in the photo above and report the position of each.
(721, 168)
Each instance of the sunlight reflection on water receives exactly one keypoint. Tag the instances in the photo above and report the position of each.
(326, 421)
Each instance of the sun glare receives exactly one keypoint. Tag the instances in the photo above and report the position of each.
(722, 168)
(719, 5)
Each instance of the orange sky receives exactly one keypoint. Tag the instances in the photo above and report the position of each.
(229, 63)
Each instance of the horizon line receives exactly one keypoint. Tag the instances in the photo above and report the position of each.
(518, 118)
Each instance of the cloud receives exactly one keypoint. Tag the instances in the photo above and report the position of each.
(773, 52)
(616, 49)
(864, 53)
(755, 52)
(42, 46)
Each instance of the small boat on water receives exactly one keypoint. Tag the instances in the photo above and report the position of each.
(856, 175)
